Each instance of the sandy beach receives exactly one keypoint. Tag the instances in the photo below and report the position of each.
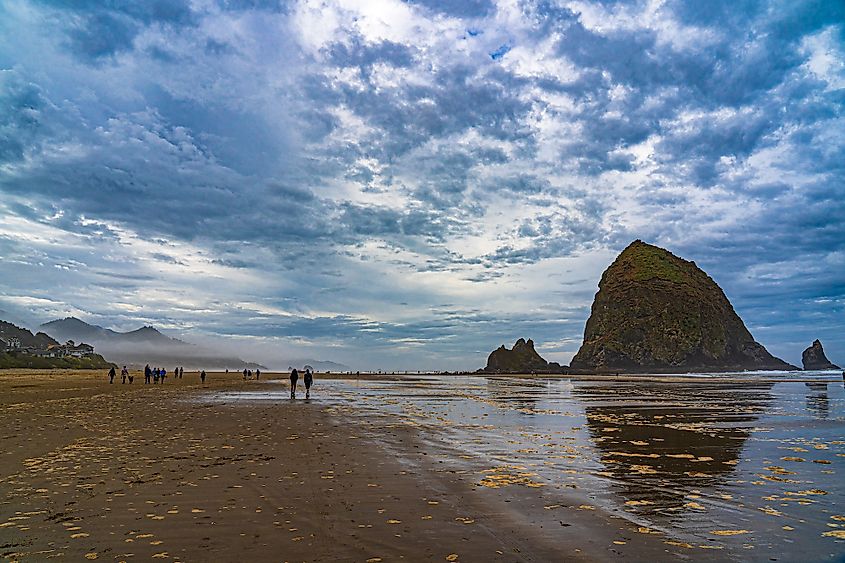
(235, 471)
(119, 472)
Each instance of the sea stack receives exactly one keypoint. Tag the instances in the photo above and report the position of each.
(813, 358)
(522, 358)
(657, 312)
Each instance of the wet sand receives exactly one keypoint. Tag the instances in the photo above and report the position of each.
(179, 472)
(737, 467)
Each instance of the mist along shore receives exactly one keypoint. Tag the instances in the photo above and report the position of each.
(375, 469)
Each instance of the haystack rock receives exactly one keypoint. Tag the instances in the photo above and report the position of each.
(657, 312)
(814, 358)
(521, 358)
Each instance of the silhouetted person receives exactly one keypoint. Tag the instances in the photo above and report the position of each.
(181, 372)
(294, 377)
(202, 376)
(123, 374)
(244, 374)
(308, 379)
(111, 375)
(163, 373)
(147, 373)
(257, 374)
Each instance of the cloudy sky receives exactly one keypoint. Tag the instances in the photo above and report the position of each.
(410, 184)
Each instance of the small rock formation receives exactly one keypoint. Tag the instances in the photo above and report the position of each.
(522, 358)
(657, 312)
(813, 358)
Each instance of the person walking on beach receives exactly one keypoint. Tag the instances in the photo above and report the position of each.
(308, 379)
(123, 374)
(181, 371)
(111, 375)
(156, 371)
(147, 374)
(244, 374)
(257, 374)
(163, 373)
(294, 377)
(202, 376)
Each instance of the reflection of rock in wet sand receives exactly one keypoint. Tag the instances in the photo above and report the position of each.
(515, 392)
(671, 443)
(818, 402)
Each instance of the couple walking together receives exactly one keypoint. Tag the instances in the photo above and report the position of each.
(308, 379)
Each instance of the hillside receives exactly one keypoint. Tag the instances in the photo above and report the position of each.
(18, 360)
(144, 345)
(27, 339)
(71, 328)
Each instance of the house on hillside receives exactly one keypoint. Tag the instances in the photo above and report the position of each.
(79, 350)
(10, 343)
(51, 351)
(69, 349)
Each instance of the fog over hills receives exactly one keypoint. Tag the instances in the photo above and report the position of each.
(142, 346)
(148, 345)
(71, 328)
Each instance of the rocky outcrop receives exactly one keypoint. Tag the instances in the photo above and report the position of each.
(522, 358)
(813, 358)
(657, 312)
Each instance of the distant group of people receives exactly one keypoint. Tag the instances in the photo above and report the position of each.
(154, 375)
(151, 375)
(307, 378)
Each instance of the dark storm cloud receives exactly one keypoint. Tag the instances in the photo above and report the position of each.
(265, 5)
(359, 53)
(22, 122)
(524, 183)
(459, 8)
(412, 114)
(101, 29)
(372, 221)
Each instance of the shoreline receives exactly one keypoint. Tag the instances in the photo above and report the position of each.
(234, 376)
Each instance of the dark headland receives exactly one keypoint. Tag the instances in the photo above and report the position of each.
(521, 358)
(813, 358)
(654, 312)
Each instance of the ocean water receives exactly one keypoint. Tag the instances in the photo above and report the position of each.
(752, 468)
